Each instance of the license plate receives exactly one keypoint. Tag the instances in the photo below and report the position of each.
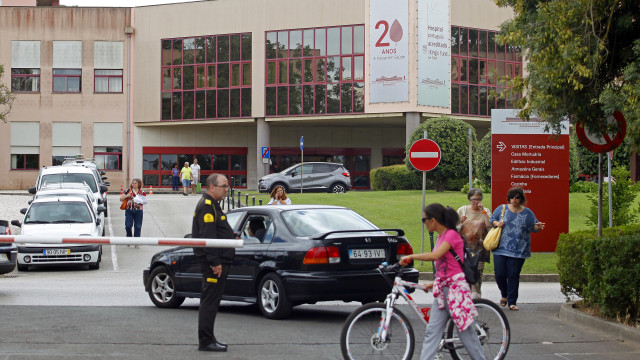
(367, 254)
(3, 257)
(57, 252)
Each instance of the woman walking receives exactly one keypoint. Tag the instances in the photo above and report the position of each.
(175, 177)
(451, 292)
(474, 223)
(136, 199)
(515, 244)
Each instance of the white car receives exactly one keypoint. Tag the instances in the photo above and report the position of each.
(90, 164)
(75, 189)
(59, 215)
(71, 174)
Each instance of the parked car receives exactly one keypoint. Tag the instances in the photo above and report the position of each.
(72, 174)
(8, 251)
(305, 254)
(311, 176)
(98, 174)
(59, 215)
(75, 189)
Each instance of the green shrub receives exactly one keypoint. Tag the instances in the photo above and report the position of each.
(603, 271)
(482, 159)
(395, 177)
(486, 189)
(583, 187)
(623, 193)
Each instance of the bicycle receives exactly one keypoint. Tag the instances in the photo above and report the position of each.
(380, 330)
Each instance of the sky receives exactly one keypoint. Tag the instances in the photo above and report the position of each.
(118, 3)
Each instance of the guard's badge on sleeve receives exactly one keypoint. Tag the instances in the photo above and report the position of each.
(207, 201)
(208, 218)
(222, 217)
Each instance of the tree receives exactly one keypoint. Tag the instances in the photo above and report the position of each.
(583, 60)
(452, 137)
(482, 159)
(6, 98)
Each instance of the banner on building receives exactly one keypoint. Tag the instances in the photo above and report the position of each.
(388, 51)
(434, 53)
(524, 155)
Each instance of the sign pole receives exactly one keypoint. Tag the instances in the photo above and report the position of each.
(610, 197)
(470, 167)
(301, 162)
(599, 194)
(424, 186)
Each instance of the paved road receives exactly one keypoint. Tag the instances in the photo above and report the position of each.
(105, 314)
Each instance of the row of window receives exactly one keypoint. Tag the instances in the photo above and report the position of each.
(206, 104)
(315, 99)
(66, 81)
(206, 49)
(321, 41)
(107, 158)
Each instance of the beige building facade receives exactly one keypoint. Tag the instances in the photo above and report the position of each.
(220, 81)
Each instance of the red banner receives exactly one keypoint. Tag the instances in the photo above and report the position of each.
(524, 155)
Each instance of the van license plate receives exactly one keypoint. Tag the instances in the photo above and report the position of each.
(367, 254)
(57, 252)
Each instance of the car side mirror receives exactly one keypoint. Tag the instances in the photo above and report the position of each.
(106, 183)
(100, 201)
(98, 221)
(16, 223)
(293, 174)
(23, 211)
(104, 178)
(101, 209)
(102, 172)
(32, 190)
(30, 201)
(103, 189)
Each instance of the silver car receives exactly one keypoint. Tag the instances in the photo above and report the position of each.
(311, 176)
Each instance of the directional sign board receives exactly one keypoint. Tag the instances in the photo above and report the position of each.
(424, 155)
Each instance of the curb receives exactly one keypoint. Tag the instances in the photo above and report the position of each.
(624, 332)
(544, 278)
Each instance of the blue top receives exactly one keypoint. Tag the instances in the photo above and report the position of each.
(515, 240)
(176, 172)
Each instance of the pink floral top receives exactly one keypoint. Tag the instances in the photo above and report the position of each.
(459, 299)
(131, 205)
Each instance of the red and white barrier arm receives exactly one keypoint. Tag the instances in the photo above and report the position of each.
(191, 242)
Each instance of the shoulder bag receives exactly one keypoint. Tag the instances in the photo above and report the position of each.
(470, 265)
(492, 240)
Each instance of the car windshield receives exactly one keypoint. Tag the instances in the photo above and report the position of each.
(317, 221)
(58, 212)
(71, 178)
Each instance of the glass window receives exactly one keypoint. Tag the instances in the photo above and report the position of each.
(25, 161)
(295, 41)
(223, 103)
(200, 77)
(272, 44)
(223, 48)
(67, 80)
(211, 104)
(234, 103)
(482, 44)
(333, 69)
(166, 79)
(308, 43)
(235, 74)
(25, 80)
(211, 49)
(239, 162)
(308, 70)
(271, 72)
(464, 43)
(320, 74)
(463, 70)
(283, 100)
(200, 104)
(150, 180)
(473, 71)
(271, 101)
(333, 98)
(321, 42)
(358, 97)
(345, 101)
(188, 48)
(223, 75)
(295, 100)
(220, 162)
(177, 105)
(177, 78)
(482, 100)
(333, 41)
(211, 76)
(150, 161)
(188, 82)
(473, 42)
(169, 161)
(166, 106)
(235, 47)
(295, 71)
(177, 52)
(108, 158)
(346, 68)
(358, 39)
(204, 160)
(246, 74)
(347, 41)
(246, 47)
(307, 99)
(200, 50)
(187, 104)
(455, 40)
(320, 99)
(283, 44)
(282, 71)
(473, 100)
(455, 98)
(358, 67)
(166, 52)
(246, 102)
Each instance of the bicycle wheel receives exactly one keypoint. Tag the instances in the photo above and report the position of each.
(359, 338)
(492, 328)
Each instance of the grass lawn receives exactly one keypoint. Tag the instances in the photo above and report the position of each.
(402, 209)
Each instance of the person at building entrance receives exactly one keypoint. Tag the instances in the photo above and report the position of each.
(211, 223)
(185, 176)
(175, 177)
(195, 173)
(515, 244)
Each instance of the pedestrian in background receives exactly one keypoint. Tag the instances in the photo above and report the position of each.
(185, 176)
(136, 198)
(175, 177)
(195, 174)
(279, 196)
(474, 224)
(451, 292)
(210, 222)
(515, 244)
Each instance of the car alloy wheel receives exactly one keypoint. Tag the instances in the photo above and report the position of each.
(338, 188)
(162, 289)
(272, 298)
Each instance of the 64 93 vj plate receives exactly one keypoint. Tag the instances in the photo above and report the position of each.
(367, 254)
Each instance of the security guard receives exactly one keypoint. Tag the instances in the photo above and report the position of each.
(210, 222)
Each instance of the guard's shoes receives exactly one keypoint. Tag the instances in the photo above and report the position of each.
(213, 347)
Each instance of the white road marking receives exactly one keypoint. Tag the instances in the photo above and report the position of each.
(114, 252)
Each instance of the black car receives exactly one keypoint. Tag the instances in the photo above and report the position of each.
(8, 251)
(295, 254)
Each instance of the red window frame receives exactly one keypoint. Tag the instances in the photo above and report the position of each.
(285, 57)
(241, 63)
(108, 77)
(24, 161)
(67, 77)
(24, 78)
(501, 55)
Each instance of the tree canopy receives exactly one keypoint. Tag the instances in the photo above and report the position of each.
(583, 61)
(6, 98)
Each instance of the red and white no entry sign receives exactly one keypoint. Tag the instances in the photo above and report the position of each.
(424, 155)
(602, 142)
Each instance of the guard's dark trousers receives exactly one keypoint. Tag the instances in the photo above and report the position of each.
(209, 302)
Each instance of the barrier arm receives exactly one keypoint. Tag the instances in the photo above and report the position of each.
(113, 240)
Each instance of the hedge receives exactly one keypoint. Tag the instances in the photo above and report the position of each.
(603, 271)
(395, 177)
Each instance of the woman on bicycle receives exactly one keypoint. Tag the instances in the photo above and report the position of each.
(451, 292)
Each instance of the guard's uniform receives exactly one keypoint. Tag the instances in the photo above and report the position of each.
(210, 222)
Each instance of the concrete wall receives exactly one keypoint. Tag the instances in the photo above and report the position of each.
(47, 25)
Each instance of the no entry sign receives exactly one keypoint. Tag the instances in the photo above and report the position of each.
(602, 142)
(424, 155)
